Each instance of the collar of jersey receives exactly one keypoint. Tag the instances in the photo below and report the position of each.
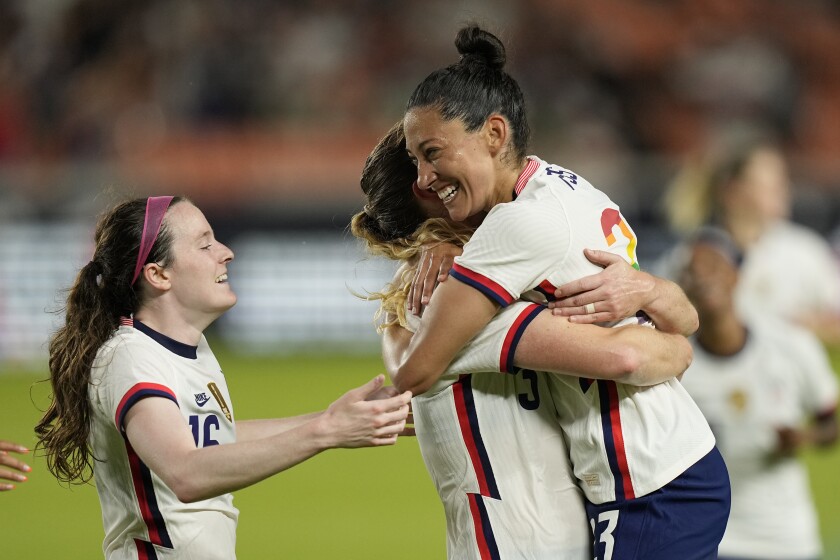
(183, 350)
(530, 168)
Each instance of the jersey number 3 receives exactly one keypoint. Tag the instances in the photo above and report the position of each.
(530, 400)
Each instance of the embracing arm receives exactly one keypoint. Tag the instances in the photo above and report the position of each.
(455, 314)
(634, 355)
(620, 291)
(199, 473)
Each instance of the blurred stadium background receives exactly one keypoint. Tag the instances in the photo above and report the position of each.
(263, 113)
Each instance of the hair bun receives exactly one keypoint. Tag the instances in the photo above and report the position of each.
(477, 44)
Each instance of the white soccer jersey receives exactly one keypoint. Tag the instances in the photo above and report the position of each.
(780, 378)
(496, 455)
(807, 282)
(624, 441)
(142, 517)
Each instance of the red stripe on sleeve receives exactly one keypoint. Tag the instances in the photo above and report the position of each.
(151, 388)
(485, 282)
(510, 336)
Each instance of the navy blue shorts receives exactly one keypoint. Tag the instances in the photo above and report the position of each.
(683, 520)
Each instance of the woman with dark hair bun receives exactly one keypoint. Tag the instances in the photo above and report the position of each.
(141, 404)
(504, 477)
(645, 458)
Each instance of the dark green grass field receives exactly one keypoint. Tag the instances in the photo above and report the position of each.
(349, 504)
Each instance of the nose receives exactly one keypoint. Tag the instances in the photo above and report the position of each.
(425, 175)
(227, 253)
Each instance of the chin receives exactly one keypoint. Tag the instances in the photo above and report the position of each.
(226, 304)
(458, 215)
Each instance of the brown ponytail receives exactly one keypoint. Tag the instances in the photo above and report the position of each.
(101, 294)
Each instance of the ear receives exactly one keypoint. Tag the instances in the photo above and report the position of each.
(157, 277)
(497, 130)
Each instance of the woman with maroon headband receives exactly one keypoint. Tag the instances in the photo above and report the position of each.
(141, 404)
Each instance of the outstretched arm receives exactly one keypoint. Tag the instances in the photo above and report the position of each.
(247, 430)
(620, 291)
(199, 473)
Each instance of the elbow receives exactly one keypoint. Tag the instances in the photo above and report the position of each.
(186, 486)
(405, 379)
(628, 364)
(634, 365)
(186, 491)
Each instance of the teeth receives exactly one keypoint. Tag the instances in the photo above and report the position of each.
(222, 278)
(446, 194)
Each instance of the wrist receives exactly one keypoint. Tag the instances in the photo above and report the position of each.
(321, 434)
(653, 293)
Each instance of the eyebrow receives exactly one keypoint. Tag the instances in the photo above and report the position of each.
(420, 146)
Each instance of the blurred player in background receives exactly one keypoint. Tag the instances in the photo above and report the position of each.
(140, 399)
(746, 191)
(655, 485)
(767, 389)
(492, 443)
(10, 464)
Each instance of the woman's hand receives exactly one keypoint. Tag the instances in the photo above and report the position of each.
(621, 291)
(367, 416)
(432, 269)
(11, 468)
(616, 292)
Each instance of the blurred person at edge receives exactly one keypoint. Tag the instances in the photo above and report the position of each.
(141, 401)
(789, 270)
(767, 389)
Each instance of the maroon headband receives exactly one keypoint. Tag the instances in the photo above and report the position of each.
(155, 210)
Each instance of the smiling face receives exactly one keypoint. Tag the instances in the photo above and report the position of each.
(198, 272)
(458, 166)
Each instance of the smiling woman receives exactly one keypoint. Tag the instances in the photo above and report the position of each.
(644, 457)
(141, 404)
